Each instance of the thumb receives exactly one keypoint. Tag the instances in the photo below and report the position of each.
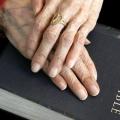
(37, 6)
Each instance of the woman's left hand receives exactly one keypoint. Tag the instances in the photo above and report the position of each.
(79, 18)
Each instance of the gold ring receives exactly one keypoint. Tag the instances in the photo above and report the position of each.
(57, 19)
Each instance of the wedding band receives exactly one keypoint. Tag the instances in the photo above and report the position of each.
(57, 19)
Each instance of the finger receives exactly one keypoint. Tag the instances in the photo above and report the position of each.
(75, 51)
(89, 63)
(83, 74)
(87, 42)
(79, 41)
(74, 84)
(83, 33)
(64, 45)
(58, 80)
(66, 42)
(41, 22)
(60, 53)
(93, 16)
(51, 35)
(37, 5)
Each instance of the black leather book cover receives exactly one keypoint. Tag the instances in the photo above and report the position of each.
(16, 77)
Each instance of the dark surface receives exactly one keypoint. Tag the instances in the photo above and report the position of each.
(3, 41)
(4, 115)
(40, 89)
(110, 13)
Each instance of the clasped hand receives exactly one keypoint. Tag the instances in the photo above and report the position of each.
(59, 48)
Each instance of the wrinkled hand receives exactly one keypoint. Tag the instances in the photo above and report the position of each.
(80, 17)
(81, 79)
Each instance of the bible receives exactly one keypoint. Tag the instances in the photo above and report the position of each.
(35, 97)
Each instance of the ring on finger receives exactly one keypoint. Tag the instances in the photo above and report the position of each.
(57, 19)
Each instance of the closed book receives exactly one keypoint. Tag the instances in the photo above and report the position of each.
(34, 96)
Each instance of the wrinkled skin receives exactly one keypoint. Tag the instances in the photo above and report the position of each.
(18, 20)
(80, 17)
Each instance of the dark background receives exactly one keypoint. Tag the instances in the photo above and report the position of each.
(110, 16)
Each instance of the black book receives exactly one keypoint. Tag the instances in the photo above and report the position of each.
(35, 97)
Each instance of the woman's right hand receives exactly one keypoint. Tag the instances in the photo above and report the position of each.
(71, 19)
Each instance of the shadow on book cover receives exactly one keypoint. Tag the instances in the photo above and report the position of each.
(16, 77)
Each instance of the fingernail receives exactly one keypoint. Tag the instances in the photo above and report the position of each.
(70, 63)
(94, 90)
(62, 86)
(88, 42)
(82, 95)
(53, 72)
(35, 67)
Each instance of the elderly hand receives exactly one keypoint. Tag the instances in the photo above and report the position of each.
(81, 79)
(72, 22)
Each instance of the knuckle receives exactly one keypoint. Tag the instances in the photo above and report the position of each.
(41, 55)
(73, 82)
(29, 52)
(91, 64)
(66, 40)
(81, 37)
(39, 58)
(85, 14)
(78, 45)
(92, 23)
(85, 18)
(38, 26)
(32, 41)
(49, 35)
(59, 60)
(85, 78)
